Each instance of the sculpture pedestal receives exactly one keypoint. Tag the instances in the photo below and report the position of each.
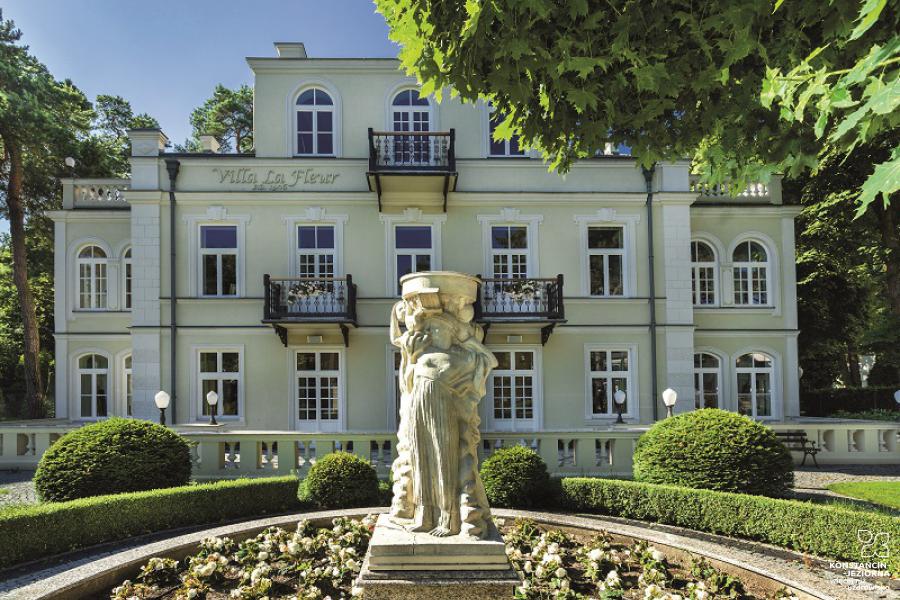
(401, 565)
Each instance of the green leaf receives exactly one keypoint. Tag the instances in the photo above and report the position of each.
(884, 180)
(868, 14)
(885, 99)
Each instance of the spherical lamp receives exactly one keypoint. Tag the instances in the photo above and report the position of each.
(162, 400)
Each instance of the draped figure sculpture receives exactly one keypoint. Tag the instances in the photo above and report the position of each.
(443, 371)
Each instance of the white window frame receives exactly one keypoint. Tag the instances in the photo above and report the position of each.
(408, 83)
(95, 265)
(127, 376)
(127, 278)
(609, 217)
(393, 388)
(489, 111)
(290, 141)
(219, 253)
(696, 266)
(216, 216)
(94, 372)
(774, 383)
(334, 426)
(700, 371)
(537, 397)
(316, 216)
(314, 109)
(197, 378)
(750, 265)
(413, 217)
(511, 217)
(632, 399)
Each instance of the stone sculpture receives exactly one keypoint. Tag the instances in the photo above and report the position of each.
(443, 370)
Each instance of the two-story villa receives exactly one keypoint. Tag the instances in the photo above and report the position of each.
(269, 278)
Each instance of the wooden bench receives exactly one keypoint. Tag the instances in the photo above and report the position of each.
(796, 441)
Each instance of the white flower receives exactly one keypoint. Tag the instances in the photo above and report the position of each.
(356, 591)
(527, 566)
(207, 569)
(352, 564)
(263, 556)
(595, 555)
(564, 585)
(612, 578)
(652, 590)
(657, 555)
(700, 594)
(560, 572)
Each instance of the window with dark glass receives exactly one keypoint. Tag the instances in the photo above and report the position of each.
(706, 380)
(606, 260)
(512, 386)
(509, 251)
(218, 260)
(413, 249)
(316, 251)
(92, 281)
(508, 147)
(315, 123)
(220, 372)
(318, 391)
(751, 274)
(754, 372)
(93, 385)
(608, 373)
(411, 112)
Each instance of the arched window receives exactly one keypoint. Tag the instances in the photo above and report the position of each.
(126, 279)
(128, 386)
(91, 278)
(315, 123)
(508, 147)
(707, 381)
(751, 274)
(411, 112)
(703, 274)
(754, 373)
(93, 385)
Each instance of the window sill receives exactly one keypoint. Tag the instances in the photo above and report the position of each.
(99, 311)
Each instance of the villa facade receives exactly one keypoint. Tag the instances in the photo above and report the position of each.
(286, 264)
(287, 261)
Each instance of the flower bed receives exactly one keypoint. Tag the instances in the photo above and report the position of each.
(312, 563)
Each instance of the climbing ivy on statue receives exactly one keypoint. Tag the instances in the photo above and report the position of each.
(747, 87)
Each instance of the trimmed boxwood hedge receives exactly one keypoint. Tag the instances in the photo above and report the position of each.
(38, 531)
(340, 480)
(515, 477)
(828, 531)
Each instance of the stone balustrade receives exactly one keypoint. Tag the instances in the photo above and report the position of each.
(95, 193)
(725, 191)
(223, 453)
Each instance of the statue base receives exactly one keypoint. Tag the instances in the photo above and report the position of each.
(401, 564)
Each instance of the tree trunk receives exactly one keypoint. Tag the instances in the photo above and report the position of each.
(34, 385)
(889, 224)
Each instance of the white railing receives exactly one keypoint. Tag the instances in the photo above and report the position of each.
(607, 451)
(95, 193)
(724, 191)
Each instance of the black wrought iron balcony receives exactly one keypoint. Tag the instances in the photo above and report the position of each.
(395, 155)
(520, 299)
(412, 151)
(325, 299)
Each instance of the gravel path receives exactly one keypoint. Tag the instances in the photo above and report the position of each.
(18, 486)
(818, 479)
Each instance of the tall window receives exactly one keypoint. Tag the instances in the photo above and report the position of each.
(93, 385)
(413, 249)
(706, 380)
(411, 112)
(703, 274)
(751, 274)
(92, 278)
(315, 254)
(126, 278)
(509, 251)
(609, 372)
(395, 379)
(129, 386)
(754, 384)
(220, 372)
(606, 256)
(318, 390)
(513, 390)
(315, 123)
(218, 260)
(508, 147)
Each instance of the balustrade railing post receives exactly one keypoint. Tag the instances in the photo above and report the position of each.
(560, 309)
(372, 153)
(267, 297)
(451, 152)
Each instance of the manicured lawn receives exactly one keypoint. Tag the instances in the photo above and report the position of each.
(3, 491)
(886, 493)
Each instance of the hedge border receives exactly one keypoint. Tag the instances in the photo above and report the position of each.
(818, 529)
(34, 532)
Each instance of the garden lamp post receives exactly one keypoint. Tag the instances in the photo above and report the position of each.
(212, 398)
(619, 397)
(162, 403)
(670, 397)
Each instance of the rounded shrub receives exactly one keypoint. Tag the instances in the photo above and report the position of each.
(340, 480)
(515, 477)
(716, 450)
(110, 457)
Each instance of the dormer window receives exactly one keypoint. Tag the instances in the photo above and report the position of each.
(315, 123)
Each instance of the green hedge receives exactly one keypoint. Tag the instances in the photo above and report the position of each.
(33, 532)
(826, 402)
(819, 529)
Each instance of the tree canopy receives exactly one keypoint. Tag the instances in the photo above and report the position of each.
(227, 115)
(747, 87)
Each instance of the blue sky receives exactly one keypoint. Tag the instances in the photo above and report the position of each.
(166, 56)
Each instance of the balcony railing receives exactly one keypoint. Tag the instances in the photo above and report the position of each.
(95, 193)
(521, 299)
(725, 191)
(412, 151)
(309, 299)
